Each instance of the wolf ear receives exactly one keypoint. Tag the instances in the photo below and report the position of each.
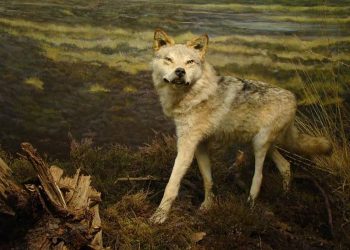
(200, 44)
(161, 39)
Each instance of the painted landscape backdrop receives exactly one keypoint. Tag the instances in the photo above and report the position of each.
(83, 66)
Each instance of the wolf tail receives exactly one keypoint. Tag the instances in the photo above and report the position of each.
(305, 144)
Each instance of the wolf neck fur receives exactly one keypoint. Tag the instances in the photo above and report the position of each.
(180, 99)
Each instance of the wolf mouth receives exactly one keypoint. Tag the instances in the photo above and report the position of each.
(177, 81)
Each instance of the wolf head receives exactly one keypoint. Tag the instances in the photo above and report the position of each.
(178, 64)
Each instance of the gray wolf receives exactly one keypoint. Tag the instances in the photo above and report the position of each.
(204, 105)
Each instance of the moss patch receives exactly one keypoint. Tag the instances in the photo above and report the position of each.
(35, 82)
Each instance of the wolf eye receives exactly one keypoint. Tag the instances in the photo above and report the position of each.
(190, 62)
(168, 59)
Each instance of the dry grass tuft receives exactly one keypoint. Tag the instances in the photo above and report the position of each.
(331, 121)
(126, 226)
(231, 216)
(161, 146)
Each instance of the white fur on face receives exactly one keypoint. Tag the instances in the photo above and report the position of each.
(170, 58)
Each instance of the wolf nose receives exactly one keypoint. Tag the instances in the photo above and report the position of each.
(180, 72)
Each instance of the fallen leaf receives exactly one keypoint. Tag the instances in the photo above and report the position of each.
(198, 236)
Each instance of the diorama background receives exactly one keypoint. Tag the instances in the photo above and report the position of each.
(84, 66)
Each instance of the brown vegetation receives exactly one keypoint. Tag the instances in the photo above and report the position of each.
(297, 220)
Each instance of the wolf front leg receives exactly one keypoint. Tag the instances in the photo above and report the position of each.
(186, 148)
(205, 169)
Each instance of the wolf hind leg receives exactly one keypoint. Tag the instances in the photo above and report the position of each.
(283, 166)
(261, 146)
(204, 165)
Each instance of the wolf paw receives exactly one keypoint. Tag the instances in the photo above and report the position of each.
(159, 217)
(251, 202)
(206, 205)
(286, 186)
(286, 181)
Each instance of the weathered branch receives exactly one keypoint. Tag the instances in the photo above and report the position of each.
(51, 189)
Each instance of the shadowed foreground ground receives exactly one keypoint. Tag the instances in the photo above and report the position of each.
(296, 220)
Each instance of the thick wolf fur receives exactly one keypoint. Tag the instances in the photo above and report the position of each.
(205, 105)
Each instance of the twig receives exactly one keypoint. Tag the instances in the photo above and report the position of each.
(142, 178)
(296, 157)
(325, 197)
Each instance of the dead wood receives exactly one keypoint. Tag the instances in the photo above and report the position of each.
(51, 189)
(69, 207)
(12, 195)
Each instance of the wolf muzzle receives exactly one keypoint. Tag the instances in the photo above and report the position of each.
(178, 77)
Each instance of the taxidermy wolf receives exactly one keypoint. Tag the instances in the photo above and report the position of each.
(204, 105)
